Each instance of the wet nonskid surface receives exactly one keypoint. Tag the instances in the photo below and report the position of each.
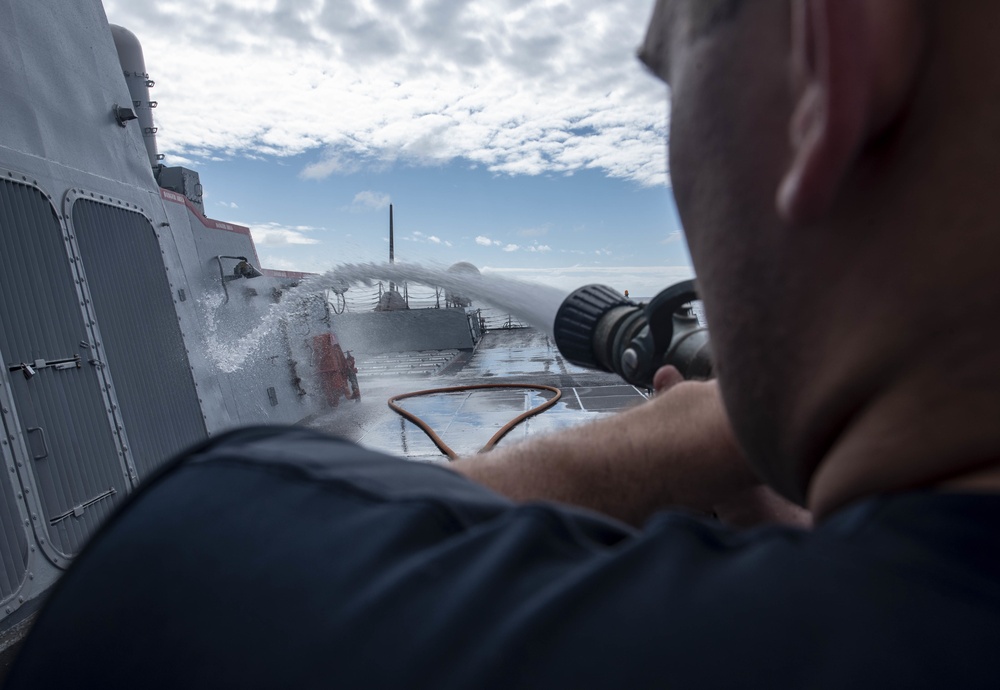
(466, 420)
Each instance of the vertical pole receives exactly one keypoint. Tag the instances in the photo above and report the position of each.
(392, 247)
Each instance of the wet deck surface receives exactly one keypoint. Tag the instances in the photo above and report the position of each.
(467, 420)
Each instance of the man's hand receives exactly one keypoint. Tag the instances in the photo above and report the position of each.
(754, 504)
(674, 451)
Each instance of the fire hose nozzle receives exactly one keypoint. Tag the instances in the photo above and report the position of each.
(597, 328)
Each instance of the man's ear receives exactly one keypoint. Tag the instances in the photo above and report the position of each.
(855, 64)
(833, 74)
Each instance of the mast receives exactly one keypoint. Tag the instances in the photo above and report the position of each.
(392, 248)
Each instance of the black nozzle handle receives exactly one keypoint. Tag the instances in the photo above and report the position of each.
(662, 307)
(678, 339)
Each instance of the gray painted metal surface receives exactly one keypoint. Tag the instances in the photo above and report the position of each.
(134, 69)
(214, 241)
(183, 181)
(91, 279)
(59, 78)
(73, 454)
(145, 352)
(73, 444)
(232, 398)
(401, 331)
(13, 539)
(466, 420)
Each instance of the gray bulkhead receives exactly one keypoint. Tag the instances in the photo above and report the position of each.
(105, 289)
(274, 383)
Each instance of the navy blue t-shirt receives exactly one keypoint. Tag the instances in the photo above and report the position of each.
(285, 558)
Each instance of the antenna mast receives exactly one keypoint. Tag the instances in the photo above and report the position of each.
(392, 247)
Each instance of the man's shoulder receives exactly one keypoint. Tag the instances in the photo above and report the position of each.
(913, 529)
(900, 585)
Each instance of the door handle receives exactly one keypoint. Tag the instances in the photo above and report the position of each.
(45, 446)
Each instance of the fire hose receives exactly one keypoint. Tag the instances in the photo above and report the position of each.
(504, 430)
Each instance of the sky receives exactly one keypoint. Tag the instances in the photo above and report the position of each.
(522, 136)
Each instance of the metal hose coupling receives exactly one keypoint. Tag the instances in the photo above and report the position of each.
(597, 328)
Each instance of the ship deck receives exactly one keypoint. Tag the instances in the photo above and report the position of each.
(466, 420)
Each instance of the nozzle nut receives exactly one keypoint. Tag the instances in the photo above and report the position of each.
(630, 362)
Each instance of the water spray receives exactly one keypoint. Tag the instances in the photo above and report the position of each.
(534, 303)
(598, 328)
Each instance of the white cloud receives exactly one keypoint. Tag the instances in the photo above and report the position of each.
(421, 238)
(642, 282)
(332, 162)
(510, 248)
(228, 204)
(175, 159)
(279, 263)
(534, 232)
(270, 234)
(370, 201)
(530, 87)
(299, 264)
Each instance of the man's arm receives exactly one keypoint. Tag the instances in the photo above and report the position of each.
(676, 450)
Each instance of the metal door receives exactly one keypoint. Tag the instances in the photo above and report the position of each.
(141, 339)
(13, 534)
(61, 408)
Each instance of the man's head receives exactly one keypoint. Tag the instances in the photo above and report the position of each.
(810, 145)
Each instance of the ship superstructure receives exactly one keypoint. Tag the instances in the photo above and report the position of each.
(109, 276)
(120, 302)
